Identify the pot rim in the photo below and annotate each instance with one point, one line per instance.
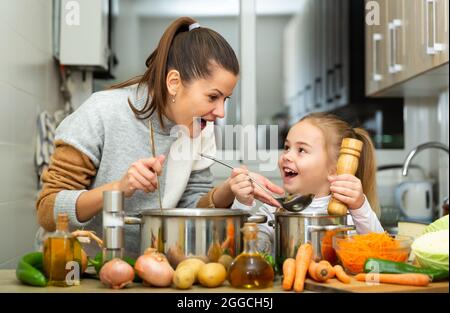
(307, 214)
(191, 212)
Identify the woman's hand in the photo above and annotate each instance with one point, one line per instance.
(347, 189)
(141, 176)
(241, 186)
(246, 192)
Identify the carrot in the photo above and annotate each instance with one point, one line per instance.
(331, 270)
(288, 273)
(302, 260)
(327, 250)
(341, 275)
(318, 272)
(398, 279)
(354, 251)
(230, 235)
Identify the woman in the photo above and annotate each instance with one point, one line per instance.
(105, 144)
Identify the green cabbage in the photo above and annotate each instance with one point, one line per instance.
(440, 224)
(431, 249)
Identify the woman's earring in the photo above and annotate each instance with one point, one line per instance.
(173, 99)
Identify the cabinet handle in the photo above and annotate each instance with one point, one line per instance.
(435, 47)
(317, 100)
(394, 67)
(307, 99)
(330, 85)
(376, 38)
(339, 80)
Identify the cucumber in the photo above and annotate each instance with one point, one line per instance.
(390, 267)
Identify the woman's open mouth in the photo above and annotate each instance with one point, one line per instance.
(203, 123)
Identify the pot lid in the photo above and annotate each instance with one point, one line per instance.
(197, 212)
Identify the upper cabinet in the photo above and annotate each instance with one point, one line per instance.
(409, 39)
(316, 65)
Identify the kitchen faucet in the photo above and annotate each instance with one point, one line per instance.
(413, 153)
(416, 150)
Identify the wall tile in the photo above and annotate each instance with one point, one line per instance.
(7, 173)
(31, 19)
(6, 116)
(22, 64)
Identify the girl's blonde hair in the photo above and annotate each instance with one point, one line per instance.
(334, 130)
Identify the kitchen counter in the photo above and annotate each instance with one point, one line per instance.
(9, 283)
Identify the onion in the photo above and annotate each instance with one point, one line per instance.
(154, 269)
(116, 274)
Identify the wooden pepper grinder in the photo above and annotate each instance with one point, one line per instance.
(347, 164)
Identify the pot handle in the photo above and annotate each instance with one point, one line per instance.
(257, 218)
(314, 228)
(131, 220)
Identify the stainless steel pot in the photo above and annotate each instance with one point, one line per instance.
(294, 229)
(202, 233)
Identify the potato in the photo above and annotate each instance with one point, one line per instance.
(226, 260)
(194, 264)
(184, 277)
(212, 275)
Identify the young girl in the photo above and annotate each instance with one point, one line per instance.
(308, 166)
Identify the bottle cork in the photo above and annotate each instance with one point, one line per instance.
(62, 222)
(347, 164)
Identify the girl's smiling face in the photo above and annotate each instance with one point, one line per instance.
(304, 164)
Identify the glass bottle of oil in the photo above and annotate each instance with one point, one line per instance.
(249, 269)
(60, 248)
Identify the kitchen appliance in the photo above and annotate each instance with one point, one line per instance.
(294, 229)
(189, 232)
(415, 201)
(113, 223)
(388, 178)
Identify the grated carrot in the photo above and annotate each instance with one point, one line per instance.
(353, 252)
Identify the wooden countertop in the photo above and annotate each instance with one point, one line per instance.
(9, 283)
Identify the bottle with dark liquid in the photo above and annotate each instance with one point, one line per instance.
(249, 269)
(60, 248)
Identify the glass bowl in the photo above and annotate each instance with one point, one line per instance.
(353, 250)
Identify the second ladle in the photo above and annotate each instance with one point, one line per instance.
(290, 203)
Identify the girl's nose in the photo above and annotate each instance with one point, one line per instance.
(287, 156)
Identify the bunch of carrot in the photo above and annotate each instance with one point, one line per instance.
(354, 251)
(295, 270)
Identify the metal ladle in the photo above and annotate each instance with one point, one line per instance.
(294, 203)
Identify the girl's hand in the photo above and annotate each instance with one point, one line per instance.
(141, 176)
(246, 192)
(241, 186)
(263, 196)
(348, 189)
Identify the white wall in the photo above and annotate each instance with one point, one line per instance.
(28, 84)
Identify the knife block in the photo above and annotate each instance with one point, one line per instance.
(347, 164)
